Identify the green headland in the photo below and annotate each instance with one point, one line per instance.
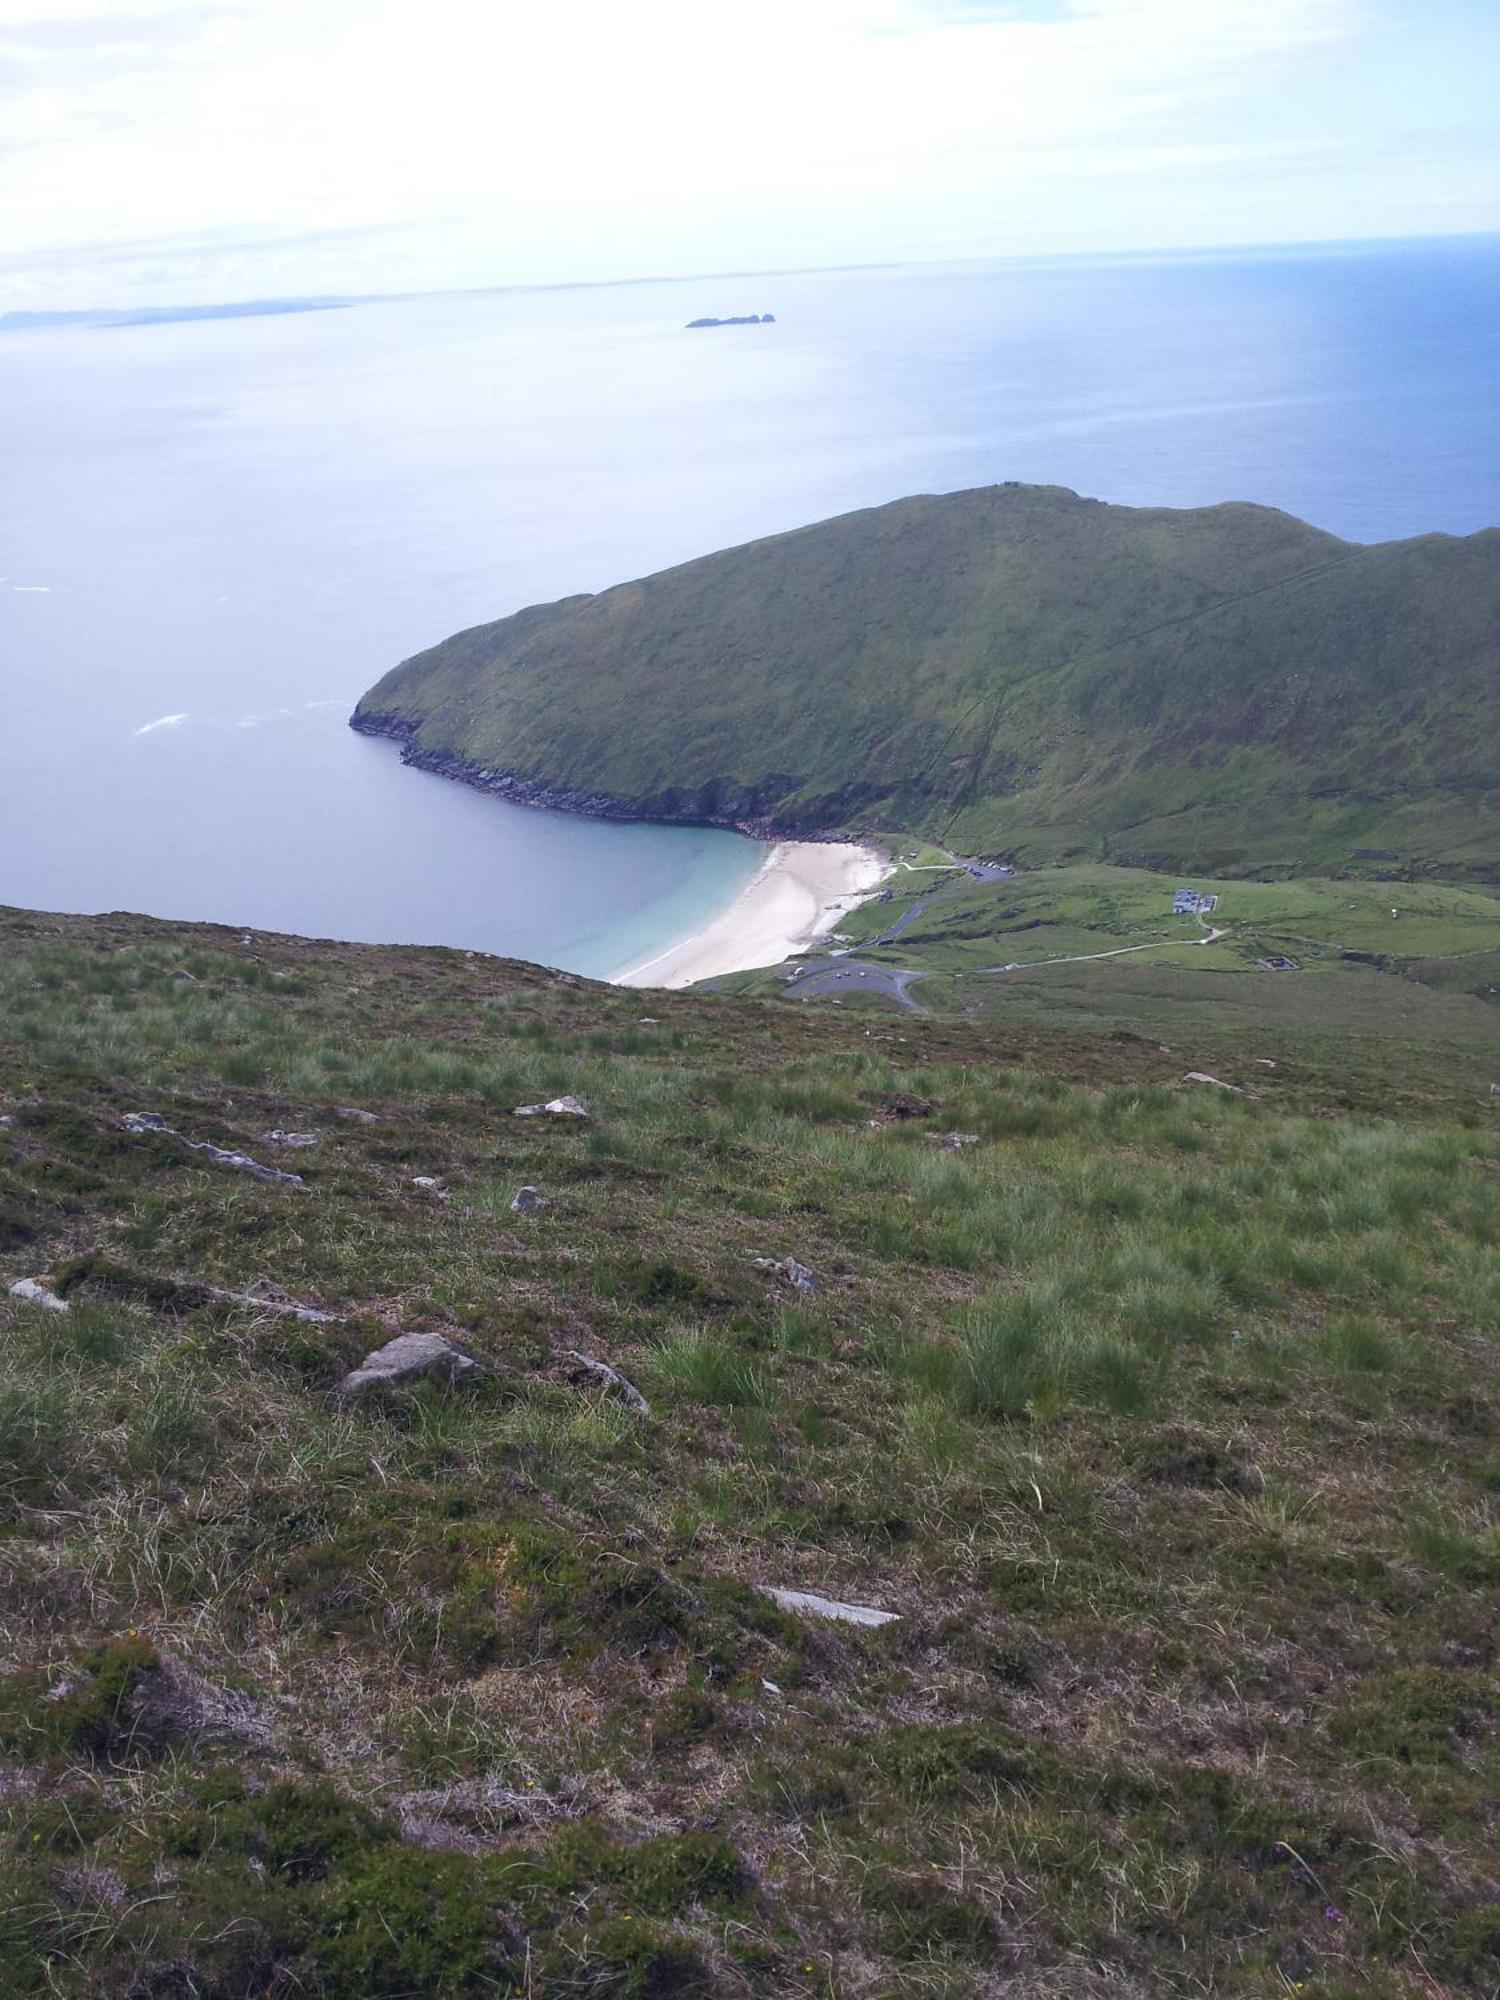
(1014, 672)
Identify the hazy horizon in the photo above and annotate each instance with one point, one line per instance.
(192, 151)
(144, 313)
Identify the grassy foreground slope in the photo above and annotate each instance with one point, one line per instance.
(1017, 670)
(1166, 1419)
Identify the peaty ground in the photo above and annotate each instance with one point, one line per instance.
(1166, 1418)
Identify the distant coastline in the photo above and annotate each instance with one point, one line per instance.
(41, 322)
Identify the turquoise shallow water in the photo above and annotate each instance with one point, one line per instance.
(214, 536)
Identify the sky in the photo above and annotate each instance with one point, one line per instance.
(182, 151)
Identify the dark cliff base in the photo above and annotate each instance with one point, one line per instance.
(739, 812)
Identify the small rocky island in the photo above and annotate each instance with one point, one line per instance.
(738, 319)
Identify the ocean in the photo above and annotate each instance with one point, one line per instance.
(214, 535)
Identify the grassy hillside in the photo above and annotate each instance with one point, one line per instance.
(1012, 670)
(1166, 1419)
(1374, 959)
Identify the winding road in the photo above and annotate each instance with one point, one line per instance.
(835, 978)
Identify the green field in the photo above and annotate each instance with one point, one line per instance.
(1166, 1419)
(1100, 945)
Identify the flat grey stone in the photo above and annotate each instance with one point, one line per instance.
(613, 1380)
(30, 1293)
(555, 1107)
(812, 1606)
(355, 1115)
(276, 1137)
(410, 1357)
(242, 1163)
(527, 1201)
(150, 1121)
(1217, 1082)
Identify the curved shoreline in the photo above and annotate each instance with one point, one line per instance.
(806, 883)
(797, 896)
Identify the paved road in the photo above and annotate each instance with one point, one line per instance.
(834, 978)
(977, 871)
(894, 931)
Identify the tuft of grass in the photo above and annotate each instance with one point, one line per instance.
(697, 1363)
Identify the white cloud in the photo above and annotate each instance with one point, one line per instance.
(200, 145)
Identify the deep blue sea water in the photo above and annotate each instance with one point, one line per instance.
(215, 535)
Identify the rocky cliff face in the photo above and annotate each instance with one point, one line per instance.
(756, 810)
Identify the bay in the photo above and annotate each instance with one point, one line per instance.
(215, 534)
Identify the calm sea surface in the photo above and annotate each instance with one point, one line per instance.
(214, 536)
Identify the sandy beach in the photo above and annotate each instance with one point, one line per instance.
(796, 897)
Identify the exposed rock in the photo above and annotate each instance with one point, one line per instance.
(527, 1201)
(7, 1122)
(180, 978)
(612, 1379)
(555, 1107)
(1217, 1082)
(276, 1137)
(355, 1115)
(952, 1142)
(790, 1272)
(283, 1308)
(813, 1606)
(242, 1163)
(150, 1121)
(428, 1181)
(408, 1358)
(30, 1293)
